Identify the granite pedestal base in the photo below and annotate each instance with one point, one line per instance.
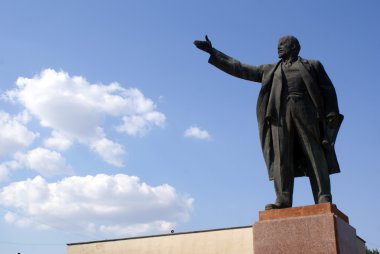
(316, 229)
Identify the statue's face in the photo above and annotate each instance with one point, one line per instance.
(285, 48)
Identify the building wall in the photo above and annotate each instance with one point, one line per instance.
(220, 241)
(224, 241)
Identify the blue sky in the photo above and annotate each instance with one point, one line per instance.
(113, 124)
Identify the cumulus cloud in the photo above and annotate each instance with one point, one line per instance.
(76, 110)
(140, 124)
(118, 205)
(196, 132)
(111, 152)
(44, 161)
(138, 229)
(58, 141)
(6, 167)
(14, 135)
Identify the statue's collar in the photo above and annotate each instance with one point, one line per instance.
(290, 61)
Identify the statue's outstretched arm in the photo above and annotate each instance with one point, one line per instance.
(229, 64)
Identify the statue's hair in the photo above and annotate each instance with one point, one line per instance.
(294, 41)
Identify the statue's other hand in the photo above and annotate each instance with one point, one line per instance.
(204, 45)
(334, 120)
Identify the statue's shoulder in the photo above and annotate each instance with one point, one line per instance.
(312, 65)
(312, 62)
(267, 66)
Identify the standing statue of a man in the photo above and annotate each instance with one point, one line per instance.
(298, 117)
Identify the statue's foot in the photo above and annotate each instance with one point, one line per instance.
(324, 199)
(276, 206)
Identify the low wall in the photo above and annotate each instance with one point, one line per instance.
(305, 226)
(220, 241)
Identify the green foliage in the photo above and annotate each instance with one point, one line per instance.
(374, 251)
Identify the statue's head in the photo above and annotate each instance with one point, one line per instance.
(288, 46)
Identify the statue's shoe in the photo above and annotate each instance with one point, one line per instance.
(324, 199)
(276, 206)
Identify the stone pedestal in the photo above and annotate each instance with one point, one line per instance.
(321, 229)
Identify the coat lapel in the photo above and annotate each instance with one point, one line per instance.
(312, 88)
(271, 87)
(268, 77)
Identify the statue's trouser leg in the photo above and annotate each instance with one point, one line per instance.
(306, 126)
(283, 170)
(298, 121)
(314, 187)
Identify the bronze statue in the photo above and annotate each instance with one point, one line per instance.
(298, 118)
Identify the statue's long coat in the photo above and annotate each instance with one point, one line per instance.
(320, 90)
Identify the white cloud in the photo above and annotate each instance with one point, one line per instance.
(111, 152)
(13, 218)
(6, 167)
(119, 205)
(138, 229)
(4, 173)
(77, 110)
(45, 162)
(140, 124)
(14, 135)
(58, 141)
(195, 132)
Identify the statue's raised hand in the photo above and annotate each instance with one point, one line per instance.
(204, 45)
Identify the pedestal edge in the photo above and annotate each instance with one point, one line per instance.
(318, 209)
